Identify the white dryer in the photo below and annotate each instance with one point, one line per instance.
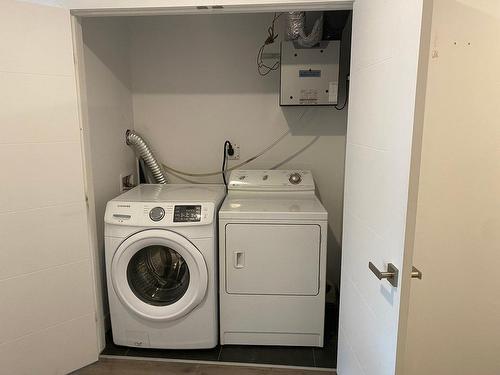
(161, 258)
(272, 260)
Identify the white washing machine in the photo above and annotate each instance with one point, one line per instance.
(161, 263)
(272, 260)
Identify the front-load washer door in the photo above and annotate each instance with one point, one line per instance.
(159, 274)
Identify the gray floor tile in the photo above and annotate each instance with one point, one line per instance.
(232, 370)
(273, 355)
(195, 355)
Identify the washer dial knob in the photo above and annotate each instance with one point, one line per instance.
(157, 213)
(295, 178)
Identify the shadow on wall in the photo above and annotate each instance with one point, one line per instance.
(315, 121)
(98, 34)
(334, 255)
(333, 264)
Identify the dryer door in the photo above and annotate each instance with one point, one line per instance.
(159, 274)
(273, 259)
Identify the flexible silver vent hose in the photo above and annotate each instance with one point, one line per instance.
(295, 29)
(295, 22)
(142, 149)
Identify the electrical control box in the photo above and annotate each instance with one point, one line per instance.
(309, 76)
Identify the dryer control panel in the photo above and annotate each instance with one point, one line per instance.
(271, 180)
(159, 214)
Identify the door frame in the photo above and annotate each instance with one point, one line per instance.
(141, 8)
(413, 185)
(101, 8)
(102, 319)
(144, 8)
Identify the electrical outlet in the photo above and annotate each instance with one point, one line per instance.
(127, 181)
(236, 155)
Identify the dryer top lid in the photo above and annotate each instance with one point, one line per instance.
(272, 206)
(271, 180)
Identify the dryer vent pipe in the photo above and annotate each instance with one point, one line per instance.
(139, 145)
(295, 29)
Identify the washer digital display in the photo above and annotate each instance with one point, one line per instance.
(184, 214)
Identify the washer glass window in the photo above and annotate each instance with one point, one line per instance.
(158, 275)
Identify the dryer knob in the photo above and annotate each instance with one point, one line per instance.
(157, 213)
(295, 178)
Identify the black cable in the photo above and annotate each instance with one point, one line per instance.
(224, 159)
(346, 77)
(346, 95)
(262, 68)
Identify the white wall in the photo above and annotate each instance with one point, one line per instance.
(454, 316)
(47, 306)
(109, 114)
(195, 84)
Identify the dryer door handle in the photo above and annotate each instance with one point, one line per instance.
(239, 259)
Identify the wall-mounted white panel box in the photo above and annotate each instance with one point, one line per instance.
(309, 76)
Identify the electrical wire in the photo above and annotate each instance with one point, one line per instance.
(180, 177)
(224, 159)
(263, 68)
(279, 139)
(347, 80)
(346, 95)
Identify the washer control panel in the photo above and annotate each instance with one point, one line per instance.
(159, 213)
(187, 214)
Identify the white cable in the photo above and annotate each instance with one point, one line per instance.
(184, 178)
(168, 168)
(278, 140)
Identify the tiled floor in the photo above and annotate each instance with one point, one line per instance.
(108, 366)
(325, 357)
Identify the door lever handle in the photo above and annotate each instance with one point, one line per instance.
(391, 274)
(416, 273)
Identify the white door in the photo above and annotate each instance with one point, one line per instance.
(385, 51)
(457, 237)
(47, 309)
